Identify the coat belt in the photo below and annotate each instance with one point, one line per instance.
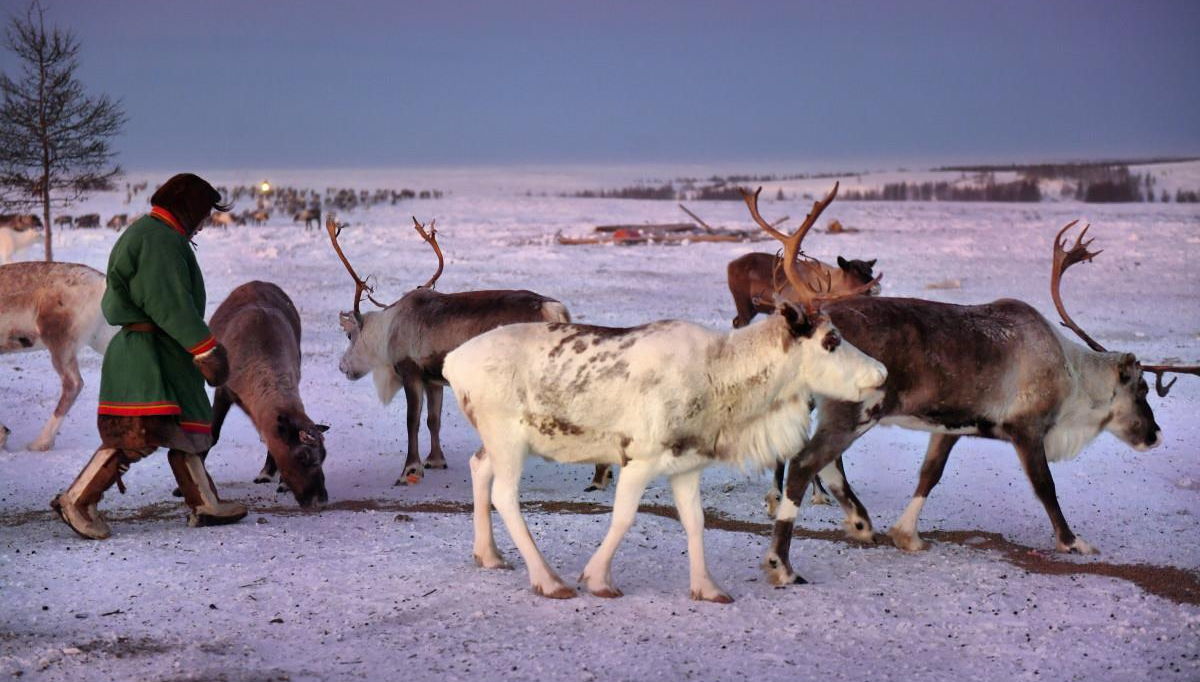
(146, 327)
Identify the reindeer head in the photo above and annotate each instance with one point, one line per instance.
(362, 355)
(834, 368)
(860, 272)
(1130, 418)
(300, 465)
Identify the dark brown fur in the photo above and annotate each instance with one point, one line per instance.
(948, 366)
(752, 278)
(260, 329)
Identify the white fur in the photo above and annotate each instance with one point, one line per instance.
(13, 242)
(78, 290)
(664, 399)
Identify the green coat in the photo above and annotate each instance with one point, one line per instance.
(153, 277)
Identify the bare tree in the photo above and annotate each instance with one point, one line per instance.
(54, 138)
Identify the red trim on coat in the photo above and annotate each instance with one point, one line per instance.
(165, 216)
(139, 409)
(196, 427)
(204, 346)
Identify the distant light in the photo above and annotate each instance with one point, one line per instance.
(265, 187)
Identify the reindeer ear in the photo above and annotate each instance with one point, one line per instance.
(843, 263)
(798, 323)
(871, 263)
(321, 427)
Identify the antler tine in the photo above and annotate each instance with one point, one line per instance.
(811, 296)
(1158, 371)
(431, 238)
(1064, 259)
(360, 285)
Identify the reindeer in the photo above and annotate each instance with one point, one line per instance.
(88, 220)
(64, 221)
(311, 217)
(222, 220)
(20, 221)
(753, 283)
(118, 221)
(752, 278)
(54, 306)
(13, 242)
(999, 371)
(669, 398)
(403, 345)
(260, 328)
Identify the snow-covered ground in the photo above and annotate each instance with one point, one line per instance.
(381, 584)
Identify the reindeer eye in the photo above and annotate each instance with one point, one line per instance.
(831, 341)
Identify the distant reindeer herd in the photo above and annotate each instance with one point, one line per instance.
(666, 398)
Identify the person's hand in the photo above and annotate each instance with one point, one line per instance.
(213, 366)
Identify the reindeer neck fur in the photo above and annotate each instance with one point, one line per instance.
(1088, 406)
(760, 396)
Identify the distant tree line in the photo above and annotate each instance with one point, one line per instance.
(1020, 191)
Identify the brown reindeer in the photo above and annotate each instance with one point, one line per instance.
(752, 280)
(260, 328)
(998, 370)
(403, 345)
(56, 307)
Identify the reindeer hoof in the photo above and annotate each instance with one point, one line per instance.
(176, 492)
(859, 530)
(555, 592)
(1078, 547)
(492, 562)
(38, 446)
(716, 597)
(607, 593)
(909, 542)
(262, 479)
(820, 498)
(591, 488)
(772, 500)
(439, 463)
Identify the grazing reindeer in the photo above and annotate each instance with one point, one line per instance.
(118, 221)
(403, 345)
(998, 370)
(260, 328)
(54, 306)
(88, 220)
(668, 398)
(14, 241)
(311, 217)
(753, 282)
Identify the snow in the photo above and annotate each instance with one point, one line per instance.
(381, 584)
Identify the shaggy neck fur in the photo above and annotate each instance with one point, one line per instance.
(371, 350)
(1089, 404)
(759, 395)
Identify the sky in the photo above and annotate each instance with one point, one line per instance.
(835, 85)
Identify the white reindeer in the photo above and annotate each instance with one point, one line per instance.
(13, 242)
(668, 398)
(53, 306)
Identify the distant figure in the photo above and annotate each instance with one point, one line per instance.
(152, 382)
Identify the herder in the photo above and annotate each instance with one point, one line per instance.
(152, 381)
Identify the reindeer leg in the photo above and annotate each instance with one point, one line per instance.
(686, 488)
(414, 471)
(482, 476)
(856, 521)
(904, 532)
(1033, 458)
(436, 459)
(67, 366)
(507, 460)
(597, 574)
(819, 493)
(600, 479)
(775, 493)
(836, 431)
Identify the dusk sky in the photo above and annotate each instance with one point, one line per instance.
(232, 84)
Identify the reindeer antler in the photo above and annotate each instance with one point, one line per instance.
(811, 296)
(360, 285)
(1064, 259)
(1158, 371)
(431, 238)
